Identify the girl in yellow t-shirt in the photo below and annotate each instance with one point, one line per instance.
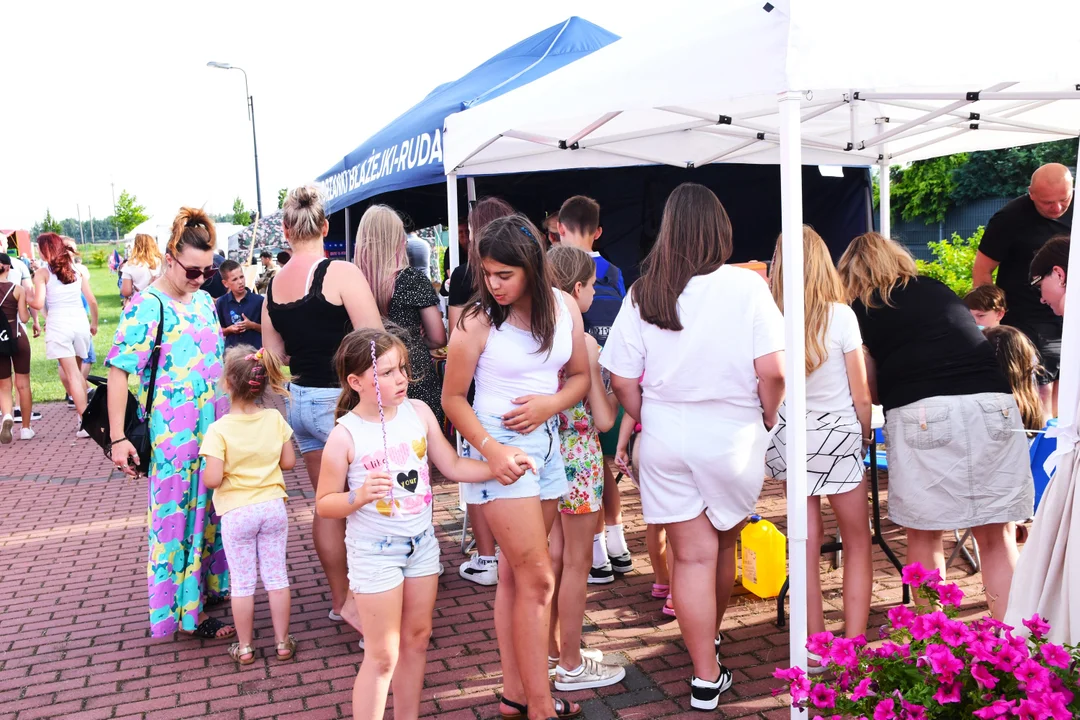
(245, 453)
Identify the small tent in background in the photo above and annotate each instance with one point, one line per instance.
(17, 241)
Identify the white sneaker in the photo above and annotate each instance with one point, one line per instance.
(81, 434)
(27, 434)
(586, 654)
(480, 572)
(5, 429)
(591, 674)
(601, 575)
(705, 695)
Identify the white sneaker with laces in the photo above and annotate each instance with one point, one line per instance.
(705, 695)
(481, 572)
(601, 574)
(80, 433)
(27, 434)
(5, 429)
(591, 674)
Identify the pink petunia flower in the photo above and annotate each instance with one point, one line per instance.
(885, 710)
(983, 677)
(954, 634)
(820, 643)
(949, 693)
(790, 674)
(943, 662)
(916, 575)
(996, 709)
(1055, 656)
(843, 653)
(950, 594)
(864, 689)
(1032, 677)
(823, 697)
(913, 711)
(1037, 626)
(800, 691)
(901, 616)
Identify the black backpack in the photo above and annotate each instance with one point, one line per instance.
(605, 307)
(8, 336)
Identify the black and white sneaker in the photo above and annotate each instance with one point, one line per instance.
(601, 575)
(70, 402)
(17, 415)
(705, 695)
(622, 564)
(481, 572)
(716, 643)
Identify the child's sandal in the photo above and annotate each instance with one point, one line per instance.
(238, 651)
(669, 607)
(288, 645)
(660, 591)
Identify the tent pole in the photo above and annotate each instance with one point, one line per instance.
(470, 189)
(884, 189)
(1069, 392)
(452, 220)
(795, 367)
(348, 235)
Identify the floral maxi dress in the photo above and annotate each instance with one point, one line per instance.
(186, 561)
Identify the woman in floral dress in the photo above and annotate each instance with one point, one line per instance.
(186, 567)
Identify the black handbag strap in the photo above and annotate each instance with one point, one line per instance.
(154, 355)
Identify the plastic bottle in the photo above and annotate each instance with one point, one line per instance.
(764, 558)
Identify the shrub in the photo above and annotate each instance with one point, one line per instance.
(934, 667)
(953, 260)
(97, 258)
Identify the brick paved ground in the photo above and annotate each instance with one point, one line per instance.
(74, 640)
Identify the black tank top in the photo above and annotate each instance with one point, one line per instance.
(312, 329)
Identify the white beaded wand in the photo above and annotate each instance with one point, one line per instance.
(382, 421)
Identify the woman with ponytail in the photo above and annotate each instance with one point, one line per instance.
(186, 566)
(59, 290)
(311, 305)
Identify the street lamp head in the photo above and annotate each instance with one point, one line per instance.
(219, 65)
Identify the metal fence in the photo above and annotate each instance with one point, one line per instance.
(963, 220)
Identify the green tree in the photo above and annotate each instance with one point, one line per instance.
(1007, 172)
(925, 188)
(953, 260)
(281, 195)
(129, 213)
(49, 224)
(240, 215)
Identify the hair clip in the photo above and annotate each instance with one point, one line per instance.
(255, 383)
(256, 356)
(528, 233)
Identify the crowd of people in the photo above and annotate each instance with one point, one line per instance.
(554, 374)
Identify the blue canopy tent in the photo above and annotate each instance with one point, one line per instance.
(407, 153)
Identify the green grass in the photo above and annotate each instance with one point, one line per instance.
(44, 379)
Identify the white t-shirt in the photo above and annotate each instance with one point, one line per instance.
(729, 320)
(139, 275)
(19, 273)
(827, 388)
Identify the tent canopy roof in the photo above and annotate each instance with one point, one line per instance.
(408, 152)
(705, 84)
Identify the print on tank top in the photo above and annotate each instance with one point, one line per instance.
(409, 474)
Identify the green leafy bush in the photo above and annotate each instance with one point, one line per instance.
(953, 260)
(97, 258)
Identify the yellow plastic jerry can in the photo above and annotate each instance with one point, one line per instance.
(764, 558)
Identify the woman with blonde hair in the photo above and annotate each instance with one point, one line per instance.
(958, 457)
(186, 567)
(311, 305)
(837, 428)
(405, 298)
(143, 266)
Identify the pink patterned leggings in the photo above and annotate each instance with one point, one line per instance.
(253, 533)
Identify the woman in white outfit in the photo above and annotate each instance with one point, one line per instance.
(59, 290)
(709, 339)
(837, 433)
(143, 267)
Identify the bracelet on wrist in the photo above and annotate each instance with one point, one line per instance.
(123, 438)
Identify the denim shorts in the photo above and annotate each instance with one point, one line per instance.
(542, 445)
(378, 563)
(91, 355)
(311, 415)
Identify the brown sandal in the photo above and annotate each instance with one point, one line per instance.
(238, 651)
(289, 646)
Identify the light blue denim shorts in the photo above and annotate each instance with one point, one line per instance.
(378, 563)
(311, 415)
(542, 445)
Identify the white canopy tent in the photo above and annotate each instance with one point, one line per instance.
(793, 82)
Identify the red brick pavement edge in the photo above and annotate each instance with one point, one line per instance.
(75, 644)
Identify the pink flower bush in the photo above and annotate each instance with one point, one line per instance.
(932, 666)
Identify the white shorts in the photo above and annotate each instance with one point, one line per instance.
(705, 456)
(64, 340)
(378, 563)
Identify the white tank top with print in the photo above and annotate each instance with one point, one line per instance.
(407, 511)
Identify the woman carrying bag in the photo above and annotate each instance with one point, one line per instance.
(187, 562)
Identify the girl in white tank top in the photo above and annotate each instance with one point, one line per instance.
(514, 342)
(375, 474)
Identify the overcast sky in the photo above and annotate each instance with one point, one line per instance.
(119, 92)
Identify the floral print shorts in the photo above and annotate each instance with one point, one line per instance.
(584, 461)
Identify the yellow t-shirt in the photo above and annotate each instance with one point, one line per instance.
(250, 447)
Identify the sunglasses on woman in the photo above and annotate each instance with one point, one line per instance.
(196, 273)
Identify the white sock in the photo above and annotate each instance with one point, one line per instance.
(486, 559)
(599, 554)
(616, 543)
